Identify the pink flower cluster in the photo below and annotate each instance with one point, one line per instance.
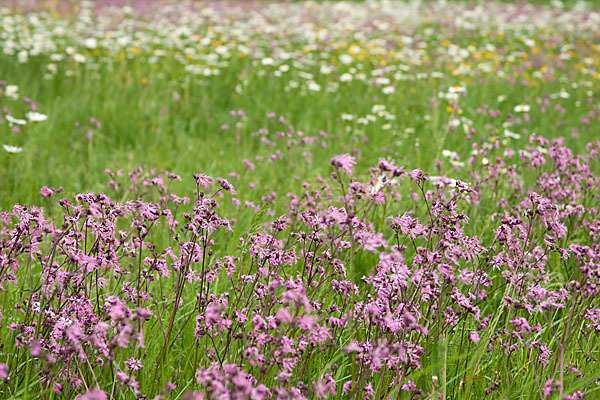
(349, 294)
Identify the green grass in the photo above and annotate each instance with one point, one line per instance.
(189, 138)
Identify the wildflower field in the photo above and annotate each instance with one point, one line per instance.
(299, 200)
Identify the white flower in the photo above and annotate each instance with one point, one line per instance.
(23, 56)
(15, 121)
(448, 181)
(313, 86)
(449, 154)
(326, 69)
(346, 59)
(36, 116)
(90, 43)
(377, 108)
(501, 98)
(379, 183)
(80, 58)
(267, 61)
(346, 77)
(522, 108)
(11, 91)
(12, 149)
(457, 89)
(524, 152)
(221, 50)
(512, 135)
(451, 96)
(347, 117)
(388, 90)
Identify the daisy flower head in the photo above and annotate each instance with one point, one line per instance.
(457, 89)
(36, 116)
(346, 77)
(378, 184)
(14, 121)
(377, 108)
(522, 108)
(12, 91)
(12, 149)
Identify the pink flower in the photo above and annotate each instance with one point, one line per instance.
(203, 180)
(133, 364)
(45, 191)
(94, 394)
(474, 336)
(225, 185)
(345, 162)
(3, 371)
(36, 349)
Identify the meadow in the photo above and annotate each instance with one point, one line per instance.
(299, 200)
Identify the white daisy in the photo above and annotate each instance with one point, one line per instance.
(12, 149)
(449, 154)
(346, 59)
(379, 183)
(313, 86)
(80, 58)
(512, 135)
(457, 89)
(90, 43)
(522, 108)
(11, 91)
(346, 77)
(377, 108)
(15, 121)
(36, 116)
